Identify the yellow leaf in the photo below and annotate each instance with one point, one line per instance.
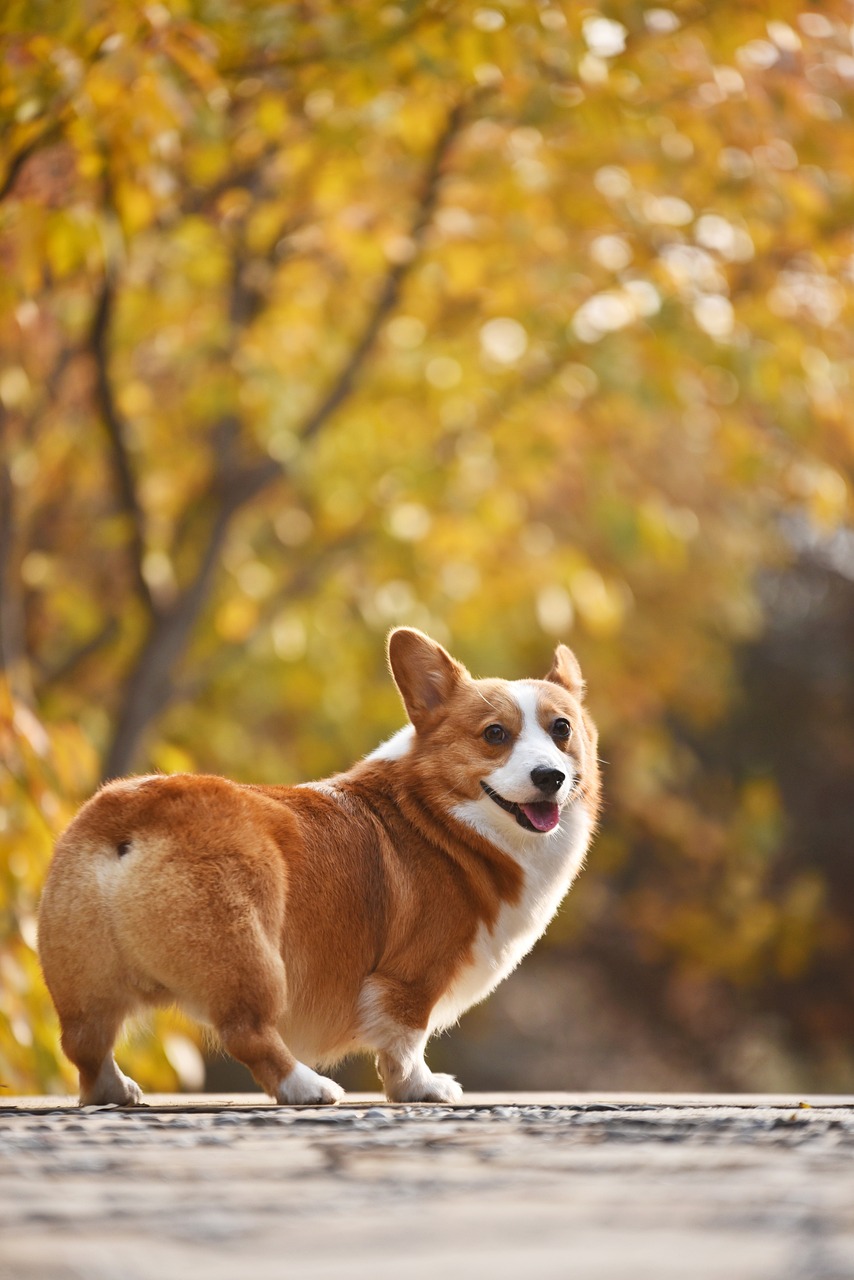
(272, 117)
(237, 619)
(136, 206)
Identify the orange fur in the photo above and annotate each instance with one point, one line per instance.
(308, 922)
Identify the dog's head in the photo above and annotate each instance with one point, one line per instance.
(522, 751)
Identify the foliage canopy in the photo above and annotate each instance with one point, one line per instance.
(514, 321)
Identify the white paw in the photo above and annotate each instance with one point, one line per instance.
(112, 1086)
(304, 1086)
(426, 1087)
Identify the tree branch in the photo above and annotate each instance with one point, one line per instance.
(249, 482)
(392, 286)
(76, 657)
(150, 687)
(253, 480)
(310, 55)
(116, 432)
(305, 577)
(22, 155)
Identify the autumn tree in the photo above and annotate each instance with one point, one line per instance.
(513, 321)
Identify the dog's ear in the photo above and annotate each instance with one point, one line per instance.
(424, 672)
(566, 671)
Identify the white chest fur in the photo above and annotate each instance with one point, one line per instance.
(550, 863)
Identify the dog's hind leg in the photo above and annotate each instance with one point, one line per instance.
(250, 1003)
(86, 974)
(87, 1040)
(259, 1047)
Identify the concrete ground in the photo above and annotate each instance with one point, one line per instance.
(522, 1187)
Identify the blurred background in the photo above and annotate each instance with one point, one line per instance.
(517, 322)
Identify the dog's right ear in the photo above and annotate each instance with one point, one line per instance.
(565, 670)
(424, 672)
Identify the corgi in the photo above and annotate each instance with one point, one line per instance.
(360, 913)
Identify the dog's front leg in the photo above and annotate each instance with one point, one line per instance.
(406, 1076)
(399, 1045)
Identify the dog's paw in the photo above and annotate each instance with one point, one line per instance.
(427, 1087)
(305, 1087)
(112, 1087)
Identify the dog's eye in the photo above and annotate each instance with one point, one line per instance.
(495, 734)
(561, 729)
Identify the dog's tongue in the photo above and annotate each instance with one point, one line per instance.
(543, 815)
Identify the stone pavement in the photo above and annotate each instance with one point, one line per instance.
(517, 1187)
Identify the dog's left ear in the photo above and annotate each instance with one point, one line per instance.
(566, 671)
(424, 672)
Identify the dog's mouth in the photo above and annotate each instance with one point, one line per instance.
(538, 816)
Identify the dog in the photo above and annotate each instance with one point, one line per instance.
(361, 913)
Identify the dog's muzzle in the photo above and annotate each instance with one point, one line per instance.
(539, 816)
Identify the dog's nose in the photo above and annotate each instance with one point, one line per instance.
(547, 780)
